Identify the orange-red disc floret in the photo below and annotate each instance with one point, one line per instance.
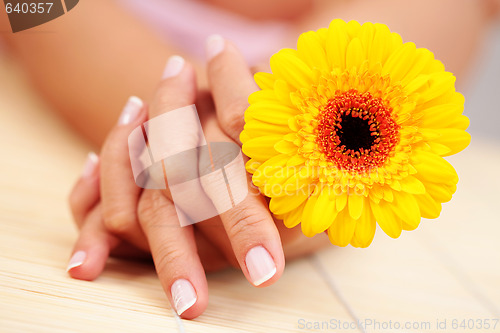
(356, 131)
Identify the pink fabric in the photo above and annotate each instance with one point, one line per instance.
(187, 23)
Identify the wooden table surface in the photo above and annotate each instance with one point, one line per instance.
(444, 276)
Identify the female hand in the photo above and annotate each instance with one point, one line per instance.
(245, 236)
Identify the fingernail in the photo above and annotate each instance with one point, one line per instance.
(260, 265)
(90, 165)
(76, 260)
(130, 111)
(183, 295)
(215, 45)
(174, 66)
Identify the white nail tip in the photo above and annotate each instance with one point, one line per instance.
(131, 110)
(215, 44)
(260, 265)
(185, 307)
(174, 66)
(76, 260)
(265, 278)
(183, 295)
(136, 101)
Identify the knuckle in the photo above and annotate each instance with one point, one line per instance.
(119, 222)
(151, 203)
(245, 224)
(166, 257)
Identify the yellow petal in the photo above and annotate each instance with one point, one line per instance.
(410, 227)
(366, 36)
(244, 136)
(308, 217)
(353, 28)
(439, 83)
(264, 80)
(355, 204)
(423, 57)
(455, 139)
(439, 192)
(286, 147)
(287, 65)
(270, 113)
(295, 160)
(311, 51)
(256, 128)
(336, 44)
(355, 54)
(268, 167)
(298, 181)
(252, 165)
(460, 122)
(294, 217)
(429, 208)
(412, 185)
(324, 211)
(261, 148)
(262, 95)
(276, 178)
(342, 229)
(341, 201)
(287, 203)
(386, 219)
(440, 116)
(406, 208)
(433, 168)
(388, 195)
(282, 91)
(381, 46)
(439, 149)
(400, 61)
(365, 228)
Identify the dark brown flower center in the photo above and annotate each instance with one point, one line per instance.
(356, 131)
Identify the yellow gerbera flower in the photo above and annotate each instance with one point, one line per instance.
(350, 130)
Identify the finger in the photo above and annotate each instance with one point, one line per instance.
(175, 255)
(92, 248)
(255, 240)
(231, 82)
(174, 135)
(119, 192)
(177, 87)
(250, 227)
(85, 193)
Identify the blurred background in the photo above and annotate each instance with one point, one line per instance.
(482, 89)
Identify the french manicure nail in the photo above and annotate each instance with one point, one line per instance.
(183, 295)
(90, 165)
(130, 111)
(215, 45)
(174, 66)
(76, 260)
(260, 265)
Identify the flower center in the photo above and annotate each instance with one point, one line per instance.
(356, 131)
